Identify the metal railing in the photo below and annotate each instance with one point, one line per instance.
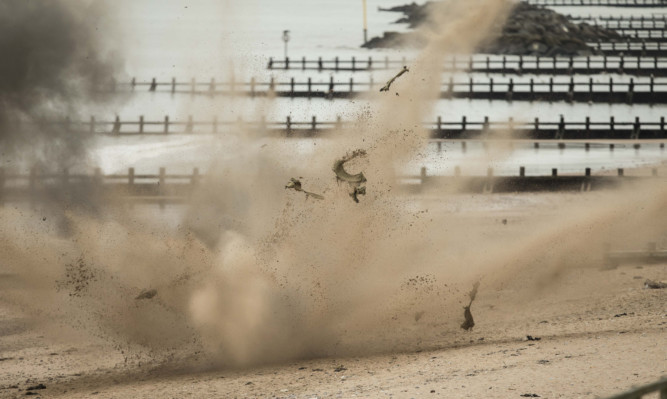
(635, 90)
(460, 129)
(636, 393)
(166, 188)
(632, 65)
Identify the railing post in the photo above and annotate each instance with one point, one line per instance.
(313, 123)
(189, 125)
(651, 84)
(166, 124)
(303, 63)
(116, 126)
(522, 171)
(532, 88)
(354, 67)
(351, 85)
(291, 86)
(439, 123)
(463, 123)
(288, 124)
(153, 85)
(92, 124)
(319, 64)
(141, 124)
(336, 64)
(252, 86)
(173, 85)
(270, 66)
(130, 176)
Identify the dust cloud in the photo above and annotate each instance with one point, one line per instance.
(53, 62)
(254, 273)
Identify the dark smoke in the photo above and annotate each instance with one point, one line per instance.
(52, 59)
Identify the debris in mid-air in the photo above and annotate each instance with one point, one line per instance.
(295, 184)
(146, 294)
(355, 181)
(390, 81)
(656, 285)
(469, 322)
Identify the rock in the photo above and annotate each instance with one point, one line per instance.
(339, 369)
(36, 387)
(146, 294)
(656, 285)
(529, 30)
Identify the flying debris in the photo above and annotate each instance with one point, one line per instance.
(146, 294)
(355, 181)
(469, 322)
(295, 184)
(390, 81)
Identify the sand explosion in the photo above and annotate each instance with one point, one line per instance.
(254, 273)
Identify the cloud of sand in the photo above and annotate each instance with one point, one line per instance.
(256, 273)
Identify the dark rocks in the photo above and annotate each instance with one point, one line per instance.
(656, 285)
(146, 294)
(529, 30)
